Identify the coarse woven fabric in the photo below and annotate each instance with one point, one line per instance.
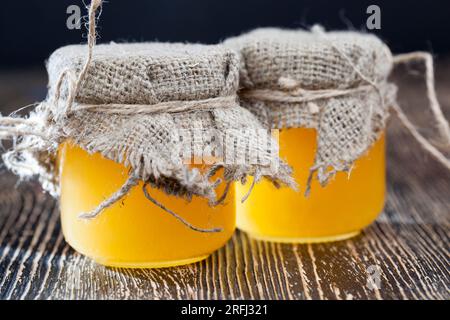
(351, 68)
(152, 145)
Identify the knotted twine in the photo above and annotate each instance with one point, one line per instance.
(129, 102)
(334, 82)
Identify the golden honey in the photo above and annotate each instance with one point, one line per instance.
(349, 203)
(134, 232)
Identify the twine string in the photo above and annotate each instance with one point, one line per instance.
(224, 195)
(256, 179)
(177, 216)
(166, 107)
(12, 127)
(129, 184)
(439, 156)
(441, 122)
(297, 94)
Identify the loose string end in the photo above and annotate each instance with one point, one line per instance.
(426, 145)
(223, 196)
(256, 179)
(131, 182)
(441, 122)
(177, 216)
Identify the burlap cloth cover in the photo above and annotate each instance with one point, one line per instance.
(124, 77)
(296, 78)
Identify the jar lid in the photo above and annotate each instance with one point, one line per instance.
(148, 73)
(314, 60)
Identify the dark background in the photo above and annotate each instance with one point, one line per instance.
(30, 30)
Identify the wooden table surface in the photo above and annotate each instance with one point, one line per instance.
(407, 247)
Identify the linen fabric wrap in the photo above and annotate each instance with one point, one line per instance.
(315, 63)
(150, 144)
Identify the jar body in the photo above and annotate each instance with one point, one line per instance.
(337, 211)
(134, 232)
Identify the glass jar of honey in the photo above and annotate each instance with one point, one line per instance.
(134, 233)
(328, 95)
(348, 204)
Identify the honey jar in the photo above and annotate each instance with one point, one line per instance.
(328, 96)
(134, 233)
(348, 204)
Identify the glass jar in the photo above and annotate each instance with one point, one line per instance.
(340, 210)
(134, 233)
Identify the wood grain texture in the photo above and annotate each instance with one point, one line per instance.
(408, 245)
